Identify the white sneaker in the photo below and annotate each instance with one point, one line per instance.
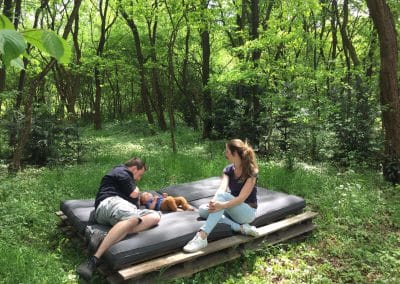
(196, 244)
(250, 230)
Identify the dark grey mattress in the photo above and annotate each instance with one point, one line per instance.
(177, 228)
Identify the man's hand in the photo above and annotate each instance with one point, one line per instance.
(135, 193)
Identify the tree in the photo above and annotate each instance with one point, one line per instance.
(388, 85)
(104, 29)
(205, 68)
(144, 90)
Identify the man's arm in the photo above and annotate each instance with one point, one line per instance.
(135, 193)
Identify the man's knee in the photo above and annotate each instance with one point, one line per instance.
(152, 219)
(134, 221)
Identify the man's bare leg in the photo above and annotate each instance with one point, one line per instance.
(125, 227)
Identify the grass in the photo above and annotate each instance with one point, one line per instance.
(357, 240)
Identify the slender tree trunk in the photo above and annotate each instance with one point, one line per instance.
(99, 52)
(158, 94)
(76, 78)
(205, 76)
(97, 100)
(144, 91)
(205, 67)
(170, 58)
(191, 114)
(255, 56)
(389, 86)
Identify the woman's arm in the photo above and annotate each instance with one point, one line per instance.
(244, 193)
(224, 184)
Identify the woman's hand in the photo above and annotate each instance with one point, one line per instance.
(214, 206)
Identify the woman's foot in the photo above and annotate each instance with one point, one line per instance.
(196, 244)
(248, 230)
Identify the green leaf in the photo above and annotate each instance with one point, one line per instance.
(50, 42)
(12, 45)
(17, 63)
(5, 23)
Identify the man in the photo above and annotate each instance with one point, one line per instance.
(116, 204)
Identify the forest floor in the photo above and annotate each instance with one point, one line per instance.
(357, 239)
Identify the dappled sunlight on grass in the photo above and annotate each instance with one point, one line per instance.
(126, 148)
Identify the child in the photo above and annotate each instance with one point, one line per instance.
(164, 202)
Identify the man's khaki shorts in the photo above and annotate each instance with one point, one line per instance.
(114, 209)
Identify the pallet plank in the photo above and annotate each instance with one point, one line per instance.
(271, 228)
(179, 257)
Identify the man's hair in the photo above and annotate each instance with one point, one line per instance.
(136, 162)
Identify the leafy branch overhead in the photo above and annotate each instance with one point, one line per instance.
(14, 43)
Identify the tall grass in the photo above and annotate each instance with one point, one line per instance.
(357, 239)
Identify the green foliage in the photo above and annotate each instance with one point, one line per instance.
(13, 44)
(49, 42)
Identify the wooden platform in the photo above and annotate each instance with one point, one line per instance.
(181, 264)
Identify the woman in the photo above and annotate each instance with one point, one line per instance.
(235, 202)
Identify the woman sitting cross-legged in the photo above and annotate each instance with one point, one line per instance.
(235, 202)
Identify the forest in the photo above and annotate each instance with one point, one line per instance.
(313, 82)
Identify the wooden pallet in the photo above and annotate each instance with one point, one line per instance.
(181, 264)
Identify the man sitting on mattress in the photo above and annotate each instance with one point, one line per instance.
(116, 204)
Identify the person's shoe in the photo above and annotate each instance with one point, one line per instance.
(249, 230)
(196, 244)
(95, 237)
(86, 269)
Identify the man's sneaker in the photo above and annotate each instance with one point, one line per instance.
(86, 269)
(249, 230)
(196, 244)
(94, 237)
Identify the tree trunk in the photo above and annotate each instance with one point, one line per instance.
(205, 67)
(205, 76)
(389, 88)
(190, 114)
(255, 106)
(144, 91)
(97, 100)
(158, 95)
(99, 52)
(76, 78)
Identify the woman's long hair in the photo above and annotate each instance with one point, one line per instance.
(247, 156)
